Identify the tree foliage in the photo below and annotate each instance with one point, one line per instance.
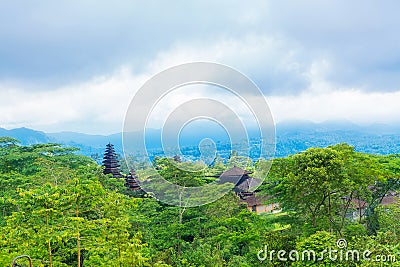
(61, 210)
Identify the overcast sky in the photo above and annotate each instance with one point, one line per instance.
(75, 65)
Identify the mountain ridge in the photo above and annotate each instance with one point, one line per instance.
(292, 137)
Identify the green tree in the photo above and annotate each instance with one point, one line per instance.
(313, 184)
(54, 223)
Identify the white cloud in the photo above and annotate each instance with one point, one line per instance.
(228, 106)
(297, 86)
(95, 106)
(275, 64)
(359, 37)
(354, 105)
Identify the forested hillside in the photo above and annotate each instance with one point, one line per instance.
(61, 210)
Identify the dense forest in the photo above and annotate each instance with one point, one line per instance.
(61, 210)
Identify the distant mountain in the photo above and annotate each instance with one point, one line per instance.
(95, 141)
(292, 137)
(26, 136)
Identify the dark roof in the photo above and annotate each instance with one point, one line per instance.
(248, 184)
(235, 171)
(390, 198)
(358, 203)
(132, 180)
(233, 175)
(387, 200)
(253, 200)
(110, 162)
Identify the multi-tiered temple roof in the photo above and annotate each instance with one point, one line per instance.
(110, 162)
(132, 181)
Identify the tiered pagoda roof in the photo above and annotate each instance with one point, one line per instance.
(132, 181)
(110, 162)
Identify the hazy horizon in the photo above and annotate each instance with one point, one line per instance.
(292, 122)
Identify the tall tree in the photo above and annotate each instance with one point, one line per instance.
(312, 184)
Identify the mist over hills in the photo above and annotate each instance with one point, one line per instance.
(292, 137)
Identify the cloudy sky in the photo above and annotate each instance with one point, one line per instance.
(75, 65)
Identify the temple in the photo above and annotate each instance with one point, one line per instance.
(111, 166)
(132, 181)
(110, 162)
(245, 185)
